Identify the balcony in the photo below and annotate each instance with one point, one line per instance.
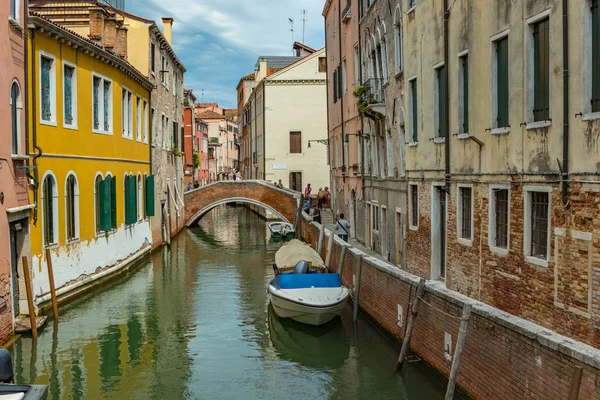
(347, 13)
(371, 100)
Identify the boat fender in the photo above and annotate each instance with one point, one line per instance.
(6, 367)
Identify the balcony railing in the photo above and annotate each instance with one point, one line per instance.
(373, 92)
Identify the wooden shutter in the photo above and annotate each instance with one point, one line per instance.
(133, 198)
(105, 204)
(502, 82)
(465, 89)
(295, 142)
(113, 202)
(541, 82)
(441, 102)
(334, 84)
(126, 195)
(415, 123)
(596, 56)
(130, 212)
(149, 195)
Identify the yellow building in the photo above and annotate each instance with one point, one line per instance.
(94, 193)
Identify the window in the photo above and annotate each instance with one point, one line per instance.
(375, 218)
(69, 95)
(414, 123)
(138, 118)
(72, 207)
(384, 60)
(398, 45)
(163, 69)
(440, 97)
(14, 10)
(334, 84)
(50, 210)
(499, 217)
(463, 94)
(414, 206)
(153, 57)
(537, 225)
(127, 114)
(501, 82)
(465, 212)
(174, 82)
(140, 197)
(47, 89)
(541, 70)
(356, 66)
(344, 76)
(130, 197)
(145, 122)
(15, 116)
(101, 104)
(412, 4)
(322, 64)
(595, 50)
(149, 195)
(106, 203)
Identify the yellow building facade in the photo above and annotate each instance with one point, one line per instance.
(89, 145)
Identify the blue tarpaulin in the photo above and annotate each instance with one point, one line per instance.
(305, 281)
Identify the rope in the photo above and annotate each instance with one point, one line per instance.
(440, 311)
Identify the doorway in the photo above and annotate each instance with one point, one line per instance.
(439, 215)
(296, 181)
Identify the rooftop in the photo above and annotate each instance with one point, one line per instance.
(276, 61)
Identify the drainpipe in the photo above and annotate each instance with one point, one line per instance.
(26, 97)
(446, 88)
(342, 96)
(565, 166)
(34, 128)
(150, 138)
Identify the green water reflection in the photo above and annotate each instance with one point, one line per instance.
(194, 322)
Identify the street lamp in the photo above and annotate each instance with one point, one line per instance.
(322, 141)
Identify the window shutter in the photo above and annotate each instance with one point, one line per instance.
(441, 102)
(133, 198)
(149, 192)
(126, 195)
(465, 66)
(541, 110)
(105, 204)
(596, 56)
(175, 134)
(334, 84)
(113, 202)
(415, 122)
(502, 82)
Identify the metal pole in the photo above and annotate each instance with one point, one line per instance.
(52, 288)
(460, 345)
(356, 288)
(27, 277)
(414, 310)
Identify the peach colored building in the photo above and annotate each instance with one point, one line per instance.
(15, 209)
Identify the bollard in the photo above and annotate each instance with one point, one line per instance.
(52, 288)
(320, 242)
(414, 310)
(460, 345)
(27, 277)
(329, 248)
(341, 261)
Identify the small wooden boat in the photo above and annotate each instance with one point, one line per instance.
(305, 293)
(281, 229)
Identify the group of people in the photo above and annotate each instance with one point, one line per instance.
(323, 197)
(237, 175)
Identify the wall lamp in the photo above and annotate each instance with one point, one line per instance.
(322, 141)
(359, 134)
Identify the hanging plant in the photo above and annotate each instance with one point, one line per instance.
(196, 159)
(359, 91)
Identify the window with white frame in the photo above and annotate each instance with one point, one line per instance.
(145, 123)
(127, 113)
(69, 95)
(398, 44)
(16, 106)
(413, 205)
(465, 212)
(72, 207)
(375, 218)
(538, 74)
(47, 89)
(499, 217)
(537, 225)
(101, 104)
(413, 111)
(356, 66)
(50, 210)
(384, 61)
(138, 118)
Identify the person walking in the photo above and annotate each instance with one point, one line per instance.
(189, 187)
(306, 206)
(279, 184)
(320, 198)
(307, 191)
(342, 227)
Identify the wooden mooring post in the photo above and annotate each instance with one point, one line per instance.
(341, 260)
(329, 249)
(27, 277)
(321, 237)
(414, 311)
(575, 383)
(52, 288)
(460, 345)
(356, 288)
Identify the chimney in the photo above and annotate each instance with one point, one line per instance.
(96, 24)
(168, 29)
(121, 42)
(110, 33)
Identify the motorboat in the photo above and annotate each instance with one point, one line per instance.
(281, 230)
(9, 391)
(305, 293)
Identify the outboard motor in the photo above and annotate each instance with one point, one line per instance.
(301, 267)
(6, 367)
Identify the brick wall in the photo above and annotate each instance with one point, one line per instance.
(505, 357)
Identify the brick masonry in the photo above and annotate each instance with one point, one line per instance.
(281, 200)
(505, 357)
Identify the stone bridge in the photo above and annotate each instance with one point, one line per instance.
(282, 202)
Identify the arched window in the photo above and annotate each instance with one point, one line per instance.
(15, 114)
(50, 210)
(97, 201)
(72, 207)
(140, 195)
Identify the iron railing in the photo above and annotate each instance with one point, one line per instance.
(373, 92)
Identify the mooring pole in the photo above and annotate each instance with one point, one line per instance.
(575, 383)
(320, 242)
(52, 288)
(298, 221)
(414, 310)
(341, 261)
(27, 277)
(329, 248)
(356, 288)
(460, 345)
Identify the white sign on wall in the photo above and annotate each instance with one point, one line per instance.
(279, 166)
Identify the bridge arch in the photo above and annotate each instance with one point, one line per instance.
(282, 202)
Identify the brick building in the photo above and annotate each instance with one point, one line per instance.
(191, 142)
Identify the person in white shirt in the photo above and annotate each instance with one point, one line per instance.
(342, 227)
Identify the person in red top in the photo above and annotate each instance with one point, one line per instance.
(307, 190)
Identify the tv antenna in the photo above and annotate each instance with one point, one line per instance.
(303, 24)
(292, 28)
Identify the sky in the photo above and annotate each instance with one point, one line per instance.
(219, 41)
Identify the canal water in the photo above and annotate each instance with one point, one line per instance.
(194, 322)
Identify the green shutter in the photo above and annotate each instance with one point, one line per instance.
(441, 77)
(415, 122)
(133, 196)
(596, 56)
(175, 134)
(113, 202)
(149, 194)
(105, 204)
(502, 82)
(334, 82)
(126, 203)
(465, 67)
(130, 215)
(541, 82)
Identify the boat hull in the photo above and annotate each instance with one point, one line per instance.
(286, 307)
